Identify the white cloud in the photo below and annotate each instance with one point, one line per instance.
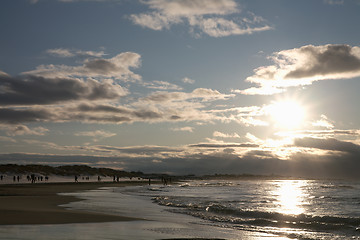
(188, 80)
(64, 52)
(200, 14)
(221, 27)
(154, 21)
(60, 52)
(201, 93)
(250, 121)
(183, 129)
(96, 135)
(303, 66)
(225, 135)
(19, 129)
(191, 8)
(334, 2)
(117, 67)
(162, 85)
(323, 122)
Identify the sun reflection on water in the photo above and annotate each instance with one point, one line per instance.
(290, 196)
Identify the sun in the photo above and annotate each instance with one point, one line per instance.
(287, 114)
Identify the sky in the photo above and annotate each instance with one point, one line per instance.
(182, 86)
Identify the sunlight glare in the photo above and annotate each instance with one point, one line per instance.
(290, 196)
(287, 114)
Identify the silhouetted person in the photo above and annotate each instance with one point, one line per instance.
(41, 178)
(76, 178)
(33, 178)
(46, 178)
(18, 178)
(28, 178)
(1, 177)
(149, 181)
(14, 178)
(99, 179)
(114, 180)
(117, 178)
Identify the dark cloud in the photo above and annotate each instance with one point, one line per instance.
(30, 90)
(327, 60)
(142, 150)
(100, 66)
(101, 108)
(327, 144)
(15, 116)
(224, 145)
(141, 114)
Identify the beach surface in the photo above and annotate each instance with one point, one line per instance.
(99, 210)
(39, 203)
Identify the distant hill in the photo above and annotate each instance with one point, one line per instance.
(67, 170)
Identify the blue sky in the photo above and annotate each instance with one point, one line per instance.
(182, 86)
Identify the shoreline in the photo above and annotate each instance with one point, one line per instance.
(23, 204)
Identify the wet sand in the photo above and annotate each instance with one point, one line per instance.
(39, 204)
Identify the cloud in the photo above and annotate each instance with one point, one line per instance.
(63, 52)
(323, 122)
(7, 139)
(69, 1)
(15, 116)
(183, 129)
(334, 2)
(14, 130)
(320, 134)
(96, 135)
(161, 85)
(224, 135)
(188, 80)
(224, 145)
(328, 144)
(335, 159)
(191, 8)
(31, 90)
(305, 65)
(200, 14)
(201, 93)
(117, 67)
(221, 27)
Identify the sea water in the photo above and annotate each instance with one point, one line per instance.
(296, 209)
(214, 209)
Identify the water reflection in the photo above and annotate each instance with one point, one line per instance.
(290, 196)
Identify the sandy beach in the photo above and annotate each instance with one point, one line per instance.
(39, 204)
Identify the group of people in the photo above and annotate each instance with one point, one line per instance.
(33, 178)
(30, 178)
(87, 178)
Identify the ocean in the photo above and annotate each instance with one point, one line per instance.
(215, 209)
(296, 209)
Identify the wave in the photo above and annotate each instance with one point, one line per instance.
(218, 212)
